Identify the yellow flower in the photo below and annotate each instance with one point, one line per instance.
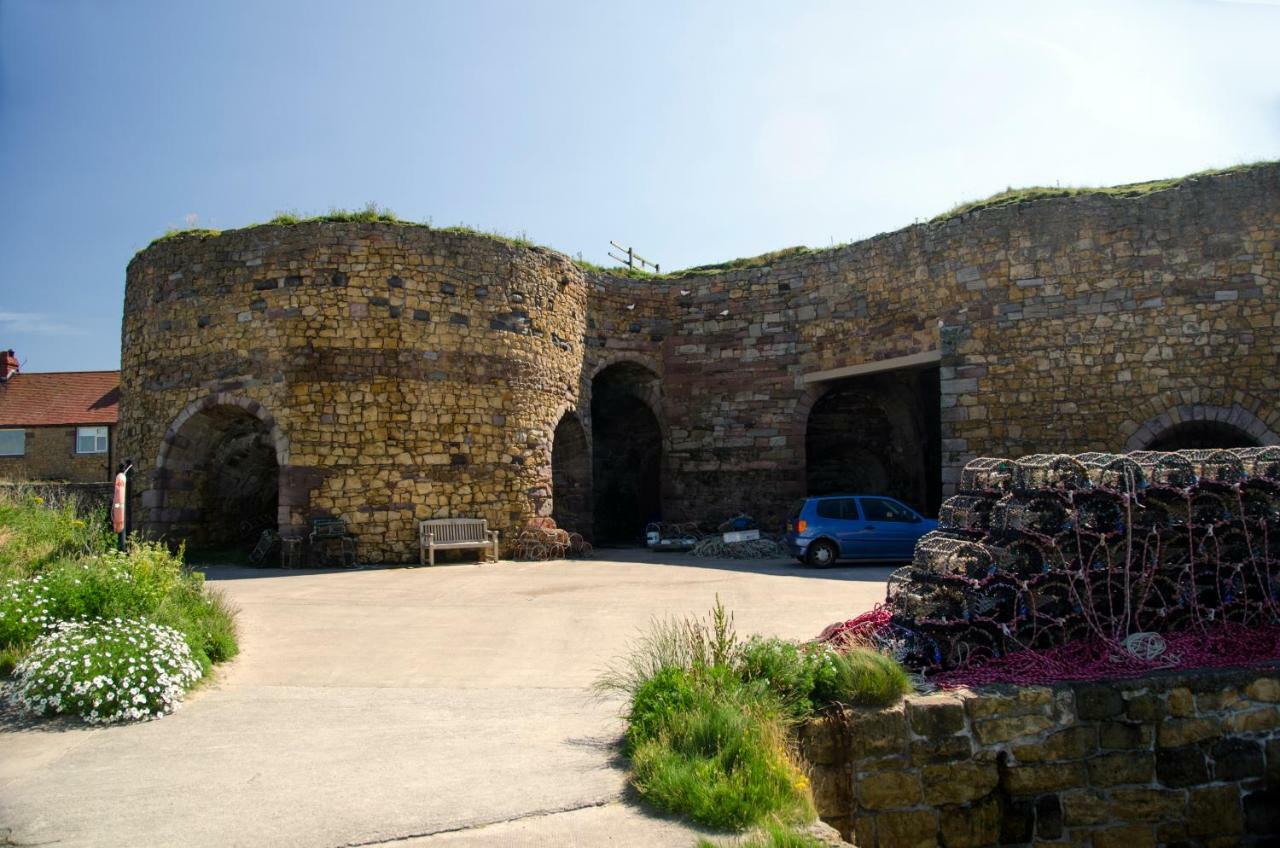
(77, 523)
(39, 500)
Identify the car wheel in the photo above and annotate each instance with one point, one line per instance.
(822, 554)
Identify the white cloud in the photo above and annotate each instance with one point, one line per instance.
(36, 324)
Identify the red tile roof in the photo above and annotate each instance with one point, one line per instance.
(60, 397)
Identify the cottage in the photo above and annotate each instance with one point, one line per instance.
(58, 425)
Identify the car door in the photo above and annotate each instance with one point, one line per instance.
(841, 517)
(891, 528)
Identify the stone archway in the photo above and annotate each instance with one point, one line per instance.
(1202, 426)
(217, 475)
(571, 476)
(877, 434)
(627, 452)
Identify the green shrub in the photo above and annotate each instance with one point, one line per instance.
(104, 671)
(709, 716)
(35, 532)
(808, 677)
(785, 668)
(145, 582)
(24, 611)
(704, 744)
(860, 677)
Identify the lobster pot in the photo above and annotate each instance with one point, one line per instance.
(1113, 472)
(1163, 468)
(1216, 466)
(938, 554)
(1260, 463)
(1045, 513)
(966, 514)
(987, 475)
(1052, 471)
(1102, 511)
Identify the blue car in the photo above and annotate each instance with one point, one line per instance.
(822, 530)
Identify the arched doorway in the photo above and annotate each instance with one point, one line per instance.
(878, 434)
(571, 476)
(626, 453)
(217, 479)
(1202, 434)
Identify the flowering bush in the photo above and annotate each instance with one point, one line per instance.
(105, 671)
(24, 611)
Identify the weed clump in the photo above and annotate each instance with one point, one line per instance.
(709, 717)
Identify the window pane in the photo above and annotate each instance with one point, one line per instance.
(91, 440)
(842, 509)
(13, 442)
(828, 509)
(879, 509)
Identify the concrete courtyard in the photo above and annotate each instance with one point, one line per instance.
(436, 707)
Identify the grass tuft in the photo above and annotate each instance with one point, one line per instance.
(709, 716)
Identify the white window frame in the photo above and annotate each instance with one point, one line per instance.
(22, 442)
(101, 440)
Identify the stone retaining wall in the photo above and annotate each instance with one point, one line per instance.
(1171, 759)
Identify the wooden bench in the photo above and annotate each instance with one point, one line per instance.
(453, 534)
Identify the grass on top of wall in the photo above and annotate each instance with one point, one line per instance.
(1011, 196)
(370, 213)
(709, 717)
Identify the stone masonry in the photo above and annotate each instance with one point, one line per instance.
(1175, 759)
(403, 372)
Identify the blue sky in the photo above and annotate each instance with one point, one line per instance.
(695, 131)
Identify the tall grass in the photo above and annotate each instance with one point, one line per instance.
(709, 717)
(37, 530)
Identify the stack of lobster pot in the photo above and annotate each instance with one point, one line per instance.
(1052, 548)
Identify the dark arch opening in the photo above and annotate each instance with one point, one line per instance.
(1202, 434)
(220, 480)
(626, 453)
(571, 476)
(880, 434)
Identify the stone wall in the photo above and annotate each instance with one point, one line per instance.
(1177, 759)
(402, 373)
(405, 372)
(50, 454)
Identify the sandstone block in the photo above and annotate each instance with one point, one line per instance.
(958, 783)
(936, 715)
(1121, 767)
(1146, 805)
(1174, 733)
(1264, 689)
(1050, 777)
(970, 826)
(907, 829)
(994, 730)
(1011, 702)
(886, 790)
(1214, 811)
(1128, 836)
(1071, 743)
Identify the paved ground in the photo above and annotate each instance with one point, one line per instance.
(432, 707)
